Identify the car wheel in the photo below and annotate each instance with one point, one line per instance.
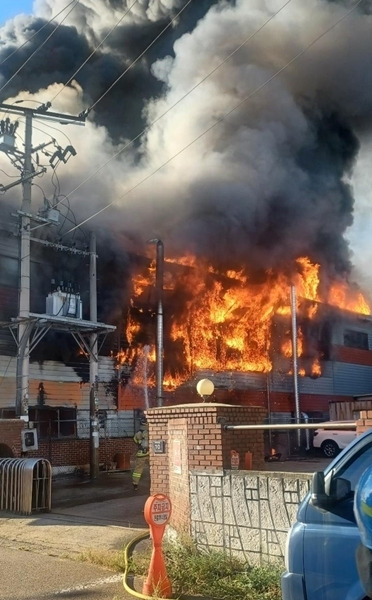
(330, 448)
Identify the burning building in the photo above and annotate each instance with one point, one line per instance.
(237, 328)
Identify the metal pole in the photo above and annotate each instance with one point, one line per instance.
(23, 358)
(295, 361)
(93, 364)
(159, 319)
(326, 425)
(159, 326)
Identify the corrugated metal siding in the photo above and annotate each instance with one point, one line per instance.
(352, 380)
(8, 304)
(352, 355)
(57, 393)
(106, 369)
(9, 245)
(306, 385)
(62, 385)
(8, 309)
(116, 424)
(230, 379)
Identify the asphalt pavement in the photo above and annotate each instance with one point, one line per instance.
(100, 514)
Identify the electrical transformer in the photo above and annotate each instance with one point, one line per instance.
(64, 304)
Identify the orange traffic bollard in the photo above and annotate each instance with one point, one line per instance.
(157, 513)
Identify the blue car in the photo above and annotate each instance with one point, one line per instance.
(321, 545)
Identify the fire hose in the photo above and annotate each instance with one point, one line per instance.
(127, 553)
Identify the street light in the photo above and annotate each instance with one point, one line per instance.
(205, 388)
(159, 320)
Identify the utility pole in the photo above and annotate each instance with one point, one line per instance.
(93, 365)
(23, 161)
(23, 355)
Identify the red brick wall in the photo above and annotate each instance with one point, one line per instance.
(72, 452)
(10, 435)
(202, 443)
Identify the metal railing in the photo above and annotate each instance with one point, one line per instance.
(25, 485)
(326, 425)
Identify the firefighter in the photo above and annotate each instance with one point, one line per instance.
(363, 516)
(141, 440)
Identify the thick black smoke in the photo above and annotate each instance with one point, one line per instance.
(266, 184)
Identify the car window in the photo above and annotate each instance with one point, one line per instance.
(354, 468)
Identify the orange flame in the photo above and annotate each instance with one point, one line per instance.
(226, 321)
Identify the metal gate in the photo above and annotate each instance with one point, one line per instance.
(25, 485)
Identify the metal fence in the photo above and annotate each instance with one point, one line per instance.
(25, 485)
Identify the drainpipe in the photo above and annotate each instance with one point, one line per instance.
(159, 321)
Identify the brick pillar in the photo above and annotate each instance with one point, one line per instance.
(194, 438)
(364, 422)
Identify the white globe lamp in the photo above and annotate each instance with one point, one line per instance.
(205, 388)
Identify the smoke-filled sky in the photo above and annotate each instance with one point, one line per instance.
(268, 159)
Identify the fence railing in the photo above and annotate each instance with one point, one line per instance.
(25, 485)
(270, 426)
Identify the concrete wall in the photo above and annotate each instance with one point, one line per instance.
(245, 513)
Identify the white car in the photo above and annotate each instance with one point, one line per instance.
(332, 441)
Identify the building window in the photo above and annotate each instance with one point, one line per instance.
(51, 423)
(356, 339)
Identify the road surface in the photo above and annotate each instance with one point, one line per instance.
(25, 575)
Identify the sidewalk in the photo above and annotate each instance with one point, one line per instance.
(101, 515)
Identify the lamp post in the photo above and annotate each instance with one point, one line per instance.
(159, 319)
(205, 388)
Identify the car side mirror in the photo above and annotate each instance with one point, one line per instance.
(340, 489)
(318, 496)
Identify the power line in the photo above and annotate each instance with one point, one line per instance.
(36, 33)
(148, 127)
(39, 47)
(138, 57)
(94, 51)
(222, 118)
